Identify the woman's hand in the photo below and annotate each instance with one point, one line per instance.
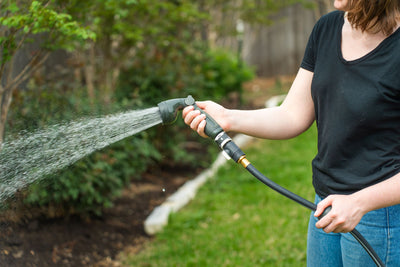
(347, 210)
(346, 213)
(197, 121)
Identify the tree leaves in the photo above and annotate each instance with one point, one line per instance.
(36, 18)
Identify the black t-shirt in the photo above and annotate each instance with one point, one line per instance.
(357, 110)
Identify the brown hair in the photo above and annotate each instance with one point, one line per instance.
(374, 15)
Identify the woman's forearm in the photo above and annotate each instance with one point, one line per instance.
(269, 123)
(290, 119)
(293, 117)
(383, 194)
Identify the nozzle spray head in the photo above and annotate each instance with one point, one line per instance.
(169, 108)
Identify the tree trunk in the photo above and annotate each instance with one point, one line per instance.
(12, 81)
(5, 103)
(89, 71)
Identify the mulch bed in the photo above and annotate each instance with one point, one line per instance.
(89, 242)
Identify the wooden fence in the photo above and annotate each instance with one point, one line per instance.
(279, 48)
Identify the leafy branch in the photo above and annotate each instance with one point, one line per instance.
(18, 25)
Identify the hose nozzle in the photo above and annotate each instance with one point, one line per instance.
(169, 108)
(168, 111)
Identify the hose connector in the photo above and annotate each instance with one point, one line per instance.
(229, 147)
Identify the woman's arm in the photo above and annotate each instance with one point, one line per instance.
(347, 210)
(293, 117)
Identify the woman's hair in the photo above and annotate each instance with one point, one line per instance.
(374, 15)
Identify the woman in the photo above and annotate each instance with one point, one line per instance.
(349, 83)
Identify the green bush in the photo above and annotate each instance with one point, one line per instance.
(224, 73)
(93, 182)
(203, 73)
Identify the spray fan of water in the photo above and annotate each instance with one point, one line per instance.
(34, 155)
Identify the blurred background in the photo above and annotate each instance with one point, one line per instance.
(61, 60)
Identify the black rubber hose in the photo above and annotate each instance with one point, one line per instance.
(214, 130)
(364, 243)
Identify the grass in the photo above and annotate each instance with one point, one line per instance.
(235, 220)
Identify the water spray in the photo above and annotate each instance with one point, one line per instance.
(168, 111)
(34, 155)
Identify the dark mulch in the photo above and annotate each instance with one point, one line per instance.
(89, 242)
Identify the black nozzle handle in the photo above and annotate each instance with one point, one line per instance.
(212, 128)
(215, 131)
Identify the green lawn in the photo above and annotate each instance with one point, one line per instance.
(235, 220)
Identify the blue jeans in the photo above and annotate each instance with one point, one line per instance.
(380, 227)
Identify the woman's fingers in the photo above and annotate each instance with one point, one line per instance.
(195, 120)
(185, 113)
(200, 129)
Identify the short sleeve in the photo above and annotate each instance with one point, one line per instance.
(308, 61)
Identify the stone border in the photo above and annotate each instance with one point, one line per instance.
(158, 219)
(274, 101)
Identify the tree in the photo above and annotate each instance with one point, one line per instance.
(128, 32)
(20, 21)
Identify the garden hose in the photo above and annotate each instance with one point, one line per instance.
(212, 129)
(356, 234)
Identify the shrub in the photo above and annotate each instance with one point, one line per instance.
(224, 73)
(93, 182)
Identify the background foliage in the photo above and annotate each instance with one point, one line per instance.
(115, 55)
